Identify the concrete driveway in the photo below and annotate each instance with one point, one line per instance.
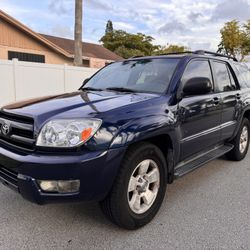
(207, 209)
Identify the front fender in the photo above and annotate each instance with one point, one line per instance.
(147, 128)
(144, 128)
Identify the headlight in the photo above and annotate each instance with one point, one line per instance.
(67, 133)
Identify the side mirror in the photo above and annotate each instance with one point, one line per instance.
(197, 86)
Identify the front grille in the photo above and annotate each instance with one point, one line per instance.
(17, 131)
(9, 178)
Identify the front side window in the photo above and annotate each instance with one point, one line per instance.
(142, 75)
(197, 68)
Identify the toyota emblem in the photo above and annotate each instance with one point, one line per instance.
(5, 129)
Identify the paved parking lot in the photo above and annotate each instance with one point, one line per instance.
(207, 209)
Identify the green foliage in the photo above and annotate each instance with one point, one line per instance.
(247, 27)
(235, 39)
(170, 49)
(109, 27)
(127, 53)
(128, 45)
(246, 42)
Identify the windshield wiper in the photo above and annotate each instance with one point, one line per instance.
(91, 89)
(120, 89)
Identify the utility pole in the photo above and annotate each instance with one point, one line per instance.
(78, 33)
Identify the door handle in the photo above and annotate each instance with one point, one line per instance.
(216, 101)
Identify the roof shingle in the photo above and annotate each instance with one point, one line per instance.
(88, 49)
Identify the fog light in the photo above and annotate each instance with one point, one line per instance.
(61, 186)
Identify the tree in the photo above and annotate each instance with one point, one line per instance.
(246, 42)
(234, 40)
(172, 48)
(127, 53)
(78, 33)
(247, 27)
(109, 27)
(126, 44)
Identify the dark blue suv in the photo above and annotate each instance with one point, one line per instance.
(133, 127)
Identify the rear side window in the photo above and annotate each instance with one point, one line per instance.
(223, 77)
(234, 86)
(197, 68)
(243, 75)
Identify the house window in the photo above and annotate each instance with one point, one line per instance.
(27, 57)
(85, 63)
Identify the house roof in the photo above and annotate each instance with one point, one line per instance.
(62, 45)
(33, 34)
(88, 49)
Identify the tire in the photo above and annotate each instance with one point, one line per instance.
(241, 143)
(133, 202)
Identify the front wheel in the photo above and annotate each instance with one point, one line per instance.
(139, 189)
(240, 142)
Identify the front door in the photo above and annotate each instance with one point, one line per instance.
(200, 115)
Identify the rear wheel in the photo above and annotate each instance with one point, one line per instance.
(240, 142)
(139, 189)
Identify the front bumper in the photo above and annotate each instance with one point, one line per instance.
(95, 170)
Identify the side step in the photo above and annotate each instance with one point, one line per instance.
(187, 167)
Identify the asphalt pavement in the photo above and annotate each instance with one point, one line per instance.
(206, 209)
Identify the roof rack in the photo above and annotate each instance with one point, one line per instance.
(197, 52)
(171, 53)
(204, 52)
(201, 52)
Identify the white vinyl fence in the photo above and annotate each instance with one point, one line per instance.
(22, 80)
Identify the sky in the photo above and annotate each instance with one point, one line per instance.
(192, 23)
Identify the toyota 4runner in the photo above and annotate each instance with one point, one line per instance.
(131, 129)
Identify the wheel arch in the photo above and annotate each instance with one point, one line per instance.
(245, 114)
(166, 145)
(159, 130)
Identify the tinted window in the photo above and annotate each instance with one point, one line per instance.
(243, 75)
(197, 68)
(233, 83)
(222, 77)
(149, 75)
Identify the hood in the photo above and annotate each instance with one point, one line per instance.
(76, 104)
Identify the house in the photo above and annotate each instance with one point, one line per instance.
(19, 41)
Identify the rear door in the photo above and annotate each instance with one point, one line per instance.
(199, 115)
(228, 88)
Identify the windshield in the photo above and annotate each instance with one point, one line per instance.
(144, 75)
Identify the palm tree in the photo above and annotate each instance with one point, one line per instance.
(78, 33)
